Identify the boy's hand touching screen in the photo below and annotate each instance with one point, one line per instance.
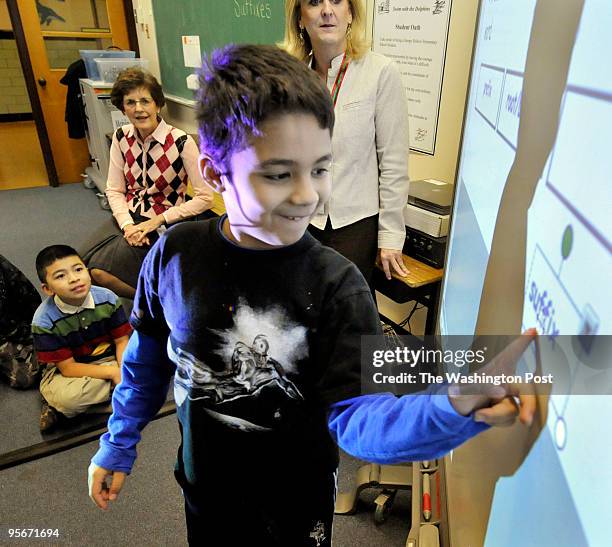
(499, 405)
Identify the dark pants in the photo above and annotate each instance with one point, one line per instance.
(358, 242)
(291, 512)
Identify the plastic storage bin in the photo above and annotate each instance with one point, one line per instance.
(110, 68)
(88, 56)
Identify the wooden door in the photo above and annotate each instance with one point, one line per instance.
(55, 30)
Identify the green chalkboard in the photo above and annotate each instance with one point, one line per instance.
(217, 23)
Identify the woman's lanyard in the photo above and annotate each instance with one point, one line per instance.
(340, 78)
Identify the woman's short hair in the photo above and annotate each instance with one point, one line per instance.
(356, 47)
(134, 78)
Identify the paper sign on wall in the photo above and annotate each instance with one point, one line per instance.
(413, 33)
(192, 55)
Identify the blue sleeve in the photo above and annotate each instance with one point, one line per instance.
(145, 376)
(386, 429)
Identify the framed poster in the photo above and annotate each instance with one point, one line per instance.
(414, 34)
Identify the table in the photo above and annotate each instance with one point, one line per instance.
(422, 284)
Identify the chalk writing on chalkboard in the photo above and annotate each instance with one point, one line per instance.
(247, 8)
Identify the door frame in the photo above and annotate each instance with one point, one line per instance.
(31, 84)
(130, 23)
(28, 73)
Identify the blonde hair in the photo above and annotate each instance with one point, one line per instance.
(356, 44)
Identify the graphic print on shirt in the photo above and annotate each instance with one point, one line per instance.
(318, 533)
(258, 351)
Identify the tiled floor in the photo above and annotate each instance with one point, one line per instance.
(21, 160)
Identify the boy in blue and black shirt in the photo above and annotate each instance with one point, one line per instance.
(260, 326)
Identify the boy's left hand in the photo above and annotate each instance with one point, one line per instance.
(504, 412)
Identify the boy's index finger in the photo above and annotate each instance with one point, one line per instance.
(507, 359)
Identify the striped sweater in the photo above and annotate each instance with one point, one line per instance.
(87, 335)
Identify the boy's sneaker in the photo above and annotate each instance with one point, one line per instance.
(48, 417)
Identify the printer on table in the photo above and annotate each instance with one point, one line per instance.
(427, 217)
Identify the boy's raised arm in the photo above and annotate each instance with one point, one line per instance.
(385, 429)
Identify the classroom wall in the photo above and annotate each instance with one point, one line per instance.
(443, 164)
(145, 30)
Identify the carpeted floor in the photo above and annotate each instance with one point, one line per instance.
(33, 218)
(52, 493)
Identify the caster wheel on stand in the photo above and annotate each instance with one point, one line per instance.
(384, 502)
(88, 182)
(103, 201)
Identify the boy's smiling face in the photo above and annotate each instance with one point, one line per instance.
(69, 279)
(277, 183)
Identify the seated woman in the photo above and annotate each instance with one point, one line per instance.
(150, 164)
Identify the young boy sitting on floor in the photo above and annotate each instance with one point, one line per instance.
(260, 327)
(80, 331)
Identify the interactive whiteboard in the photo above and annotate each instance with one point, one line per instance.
(530, 246)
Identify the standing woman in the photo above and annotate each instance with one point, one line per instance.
(370, 142)
(150, 165)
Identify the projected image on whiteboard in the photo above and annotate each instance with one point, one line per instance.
(569, 259)
(488, 152)
(566, 254)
